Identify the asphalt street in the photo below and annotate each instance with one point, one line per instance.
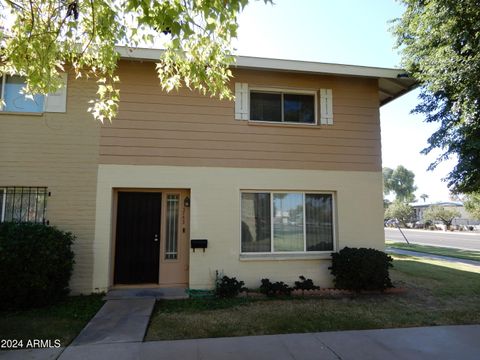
(468, 241)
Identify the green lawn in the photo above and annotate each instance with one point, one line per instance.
(62, 321)
(456, 253)
(435, 295)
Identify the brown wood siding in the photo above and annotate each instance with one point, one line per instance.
(186, 128)
(59, 151)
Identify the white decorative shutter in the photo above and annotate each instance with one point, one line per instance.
(326, 107)
(57, 101)
(241, 101)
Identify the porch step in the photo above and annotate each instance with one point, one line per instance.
(152, 293)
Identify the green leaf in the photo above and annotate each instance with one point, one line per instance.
(440, 45)
(198, 43)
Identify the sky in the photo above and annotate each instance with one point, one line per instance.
(348, 32)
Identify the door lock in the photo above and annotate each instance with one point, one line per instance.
(155, 238)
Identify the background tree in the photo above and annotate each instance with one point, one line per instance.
(386, 203)
(40, 38)
(424, 197)
(456, 197)
(387, 176)
(446, 216)
(440, 45)
(472, 204)
(399, 181)
(400, 211)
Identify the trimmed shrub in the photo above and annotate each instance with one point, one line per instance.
(36, 264)
(361, 269)
(305, 284)
(273, 289)
(226, 287)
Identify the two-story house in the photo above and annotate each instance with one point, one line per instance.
(274, 181)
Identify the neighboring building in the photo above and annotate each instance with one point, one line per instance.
(464, 220)
(275, 182)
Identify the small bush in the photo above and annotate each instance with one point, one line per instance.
(273, 289)
(361, 269)
(36, 263)
(305, 284)
(226, 287)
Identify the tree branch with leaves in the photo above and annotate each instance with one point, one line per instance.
(440, 45)
(472, 204)
(43, 38)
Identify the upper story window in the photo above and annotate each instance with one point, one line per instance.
(283, 107)
(23, 204)
(271, 105)
(14, 100)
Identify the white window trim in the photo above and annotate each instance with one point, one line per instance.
(310, 255)
(273, 90)
(290, 255)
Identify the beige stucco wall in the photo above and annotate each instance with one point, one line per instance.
(215, 215)
(58, 151)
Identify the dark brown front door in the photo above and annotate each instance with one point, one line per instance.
(137, 246)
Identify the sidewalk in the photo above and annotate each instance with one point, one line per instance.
(440, 342)
(432, 256)
(443, 232)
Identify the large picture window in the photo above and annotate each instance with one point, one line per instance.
(279, 222)
(282, 107)
(23, 204)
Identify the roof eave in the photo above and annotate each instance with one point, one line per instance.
(400, 93)
(403, 83)
(259, 63)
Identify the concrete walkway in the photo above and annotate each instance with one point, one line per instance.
(118, 321)
(440, 342)
(432, 256)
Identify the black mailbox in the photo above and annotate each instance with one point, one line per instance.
(198, 244)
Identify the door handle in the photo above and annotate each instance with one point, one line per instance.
(155, 238)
